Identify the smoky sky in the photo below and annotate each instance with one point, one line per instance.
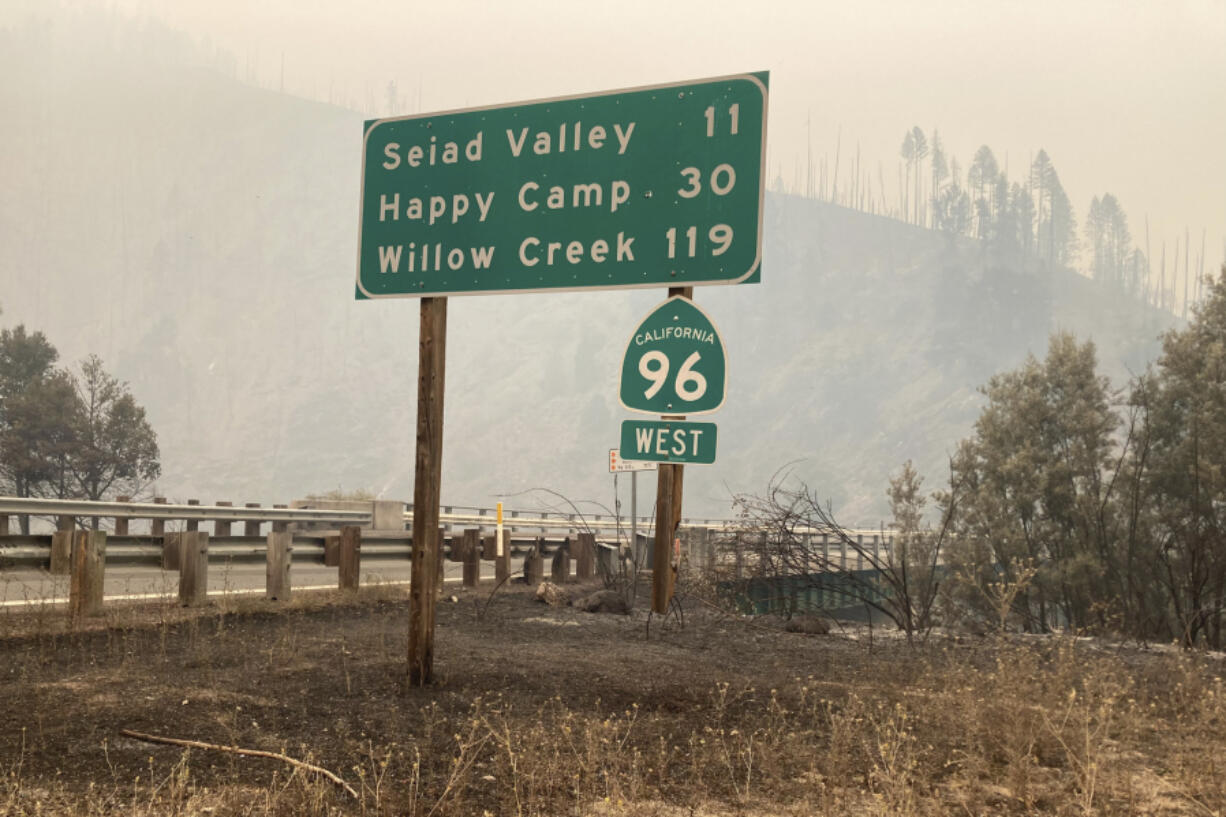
(1126, 97)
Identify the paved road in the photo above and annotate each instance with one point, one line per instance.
(25, 587)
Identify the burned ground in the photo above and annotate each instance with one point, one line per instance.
(540, 710)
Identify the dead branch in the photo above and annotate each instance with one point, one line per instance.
(235, 750)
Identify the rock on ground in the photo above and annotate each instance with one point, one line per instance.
(809, 625)
(552, 594)
(603, 601)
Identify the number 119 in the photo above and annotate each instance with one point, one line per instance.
(720, 236)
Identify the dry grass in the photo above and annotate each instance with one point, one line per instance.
(720, 717)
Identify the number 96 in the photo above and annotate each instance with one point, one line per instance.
(689, 386)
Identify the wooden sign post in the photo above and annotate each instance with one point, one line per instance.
(668, 517)
(445, 210)
(669, 482)
(427, 476)
(676, 353)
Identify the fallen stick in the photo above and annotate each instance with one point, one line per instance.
(235, 750)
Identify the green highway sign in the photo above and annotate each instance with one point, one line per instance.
(657, 186)
(674, 441)
(675, 362)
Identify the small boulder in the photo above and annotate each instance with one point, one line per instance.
(809, 625)
(552, 594)
(603, 601)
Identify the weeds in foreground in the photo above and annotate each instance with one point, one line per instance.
(998, 726)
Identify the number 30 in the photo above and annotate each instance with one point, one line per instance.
(723, 179)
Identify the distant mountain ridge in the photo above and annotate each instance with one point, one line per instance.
(200, 234)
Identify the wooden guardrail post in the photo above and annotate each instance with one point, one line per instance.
(280, 554)
(472, 556)
(192, 524)
(88, 564)
(121, 522)
(172, 550)
(61, 546)
(606, 560)
(455, 553)
(221, 527)
(332, 550)
(559, 569)
(251, 527)
(4, 524)
(157, 527)
(534, 563)
(349, 557)
(61, 553)
(502, 564)
(585, 559)
(193, 567)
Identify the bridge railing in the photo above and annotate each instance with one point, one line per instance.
(385, 524)
(342, 537)
(192, 511)
(386, 529)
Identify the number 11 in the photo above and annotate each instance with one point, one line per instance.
(733, 112)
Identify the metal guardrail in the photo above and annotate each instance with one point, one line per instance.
(560, 522)
(33, 551)
(158, 510)
(473, 514)
(469, 515)
(476, 516)
(645, 525)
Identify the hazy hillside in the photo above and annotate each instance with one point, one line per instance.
(200, 234)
